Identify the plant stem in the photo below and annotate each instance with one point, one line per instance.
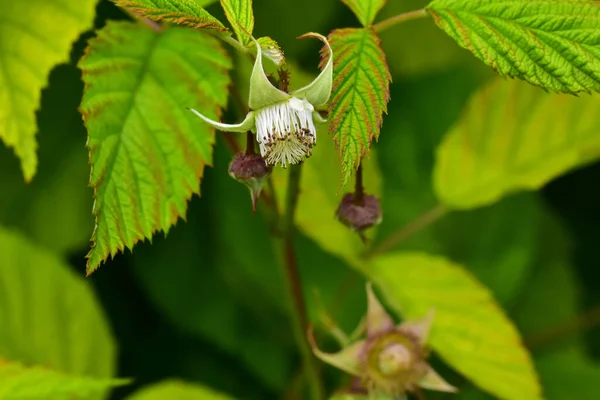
(408, 230)
(358, 187)
(288, 261)
(579, 323)
(397, 19)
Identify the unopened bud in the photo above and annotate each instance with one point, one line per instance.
(359, 214)
(251, 170)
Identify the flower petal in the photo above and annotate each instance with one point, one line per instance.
(262, 92)
(246, 125)
(378, 320)
(419, 328)
(317, 93)
(433, 381)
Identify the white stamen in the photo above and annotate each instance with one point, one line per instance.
(286, 132)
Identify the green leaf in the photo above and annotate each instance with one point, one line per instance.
(52, 210)
(360, 94)
(240, 16)
(20, 382)
(486, 241)
(548, 43)
(34, 37)
(271, 50)
(470, 331)
(514, 137)
(50, 319)
(147, 152)
(180, 12)
(179, 390)
(365, 10)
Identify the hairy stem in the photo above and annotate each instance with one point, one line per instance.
(397, 19)
(408, 230)
(289, 262)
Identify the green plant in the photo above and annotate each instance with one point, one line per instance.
(445, 212)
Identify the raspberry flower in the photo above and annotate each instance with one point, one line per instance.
(283, 122)
(392, 359)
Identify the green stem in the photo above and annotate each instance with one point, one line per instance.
(286, 252)
(397, 19)
(408, 230)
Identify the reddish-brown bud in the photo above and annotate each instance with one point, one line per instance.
(359, 214)
(251, 170)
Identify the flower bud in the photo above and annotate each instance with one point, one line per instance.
(251, 170)
(361, 214)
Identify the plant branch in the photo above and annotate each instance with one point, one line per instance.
(397, 19)
(408, 230)
(289, 262)
(579, 323)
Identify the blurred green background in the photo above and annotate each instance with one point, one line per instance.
(205, 304)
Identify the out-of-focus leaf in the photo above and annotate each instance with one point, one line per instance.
(365, 10)
(360, 94)
(20, 382)
(182, 12)
(53, 209)
(205, 278)
(512, 137)
(49, 316)
(239, 12)
(470, 331)
(548, 43)
(177, 390)
(147, 151)
(486, 241)
(34, 37)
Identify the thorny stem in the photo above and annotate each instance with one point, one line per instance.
(408, 230)
(397, 19)
(290, 264)
(358, 187)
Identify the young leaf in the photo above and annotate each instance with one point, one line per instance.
(51, 318)
(512, 137)
(20, 382)
(34, 37)
(176, 389)
(239, 12)
(180, 12)
(554, 44)
(470, 331)
(147, 151)
(365, 10)
(360, 94)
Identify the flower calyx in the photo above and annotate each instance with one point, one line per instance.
(392, 359)
(251, 170)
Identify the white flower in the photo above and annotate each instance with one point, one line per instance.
(283, 122)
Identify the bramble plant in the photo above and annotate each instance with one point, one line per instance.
(437, 212)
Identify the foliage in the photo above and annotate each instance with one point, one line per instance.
(476, 199)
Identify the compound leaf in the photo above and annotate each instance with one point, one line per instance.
(365, 10)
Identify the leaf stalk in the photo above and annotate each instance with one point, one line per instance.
(398, 19)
